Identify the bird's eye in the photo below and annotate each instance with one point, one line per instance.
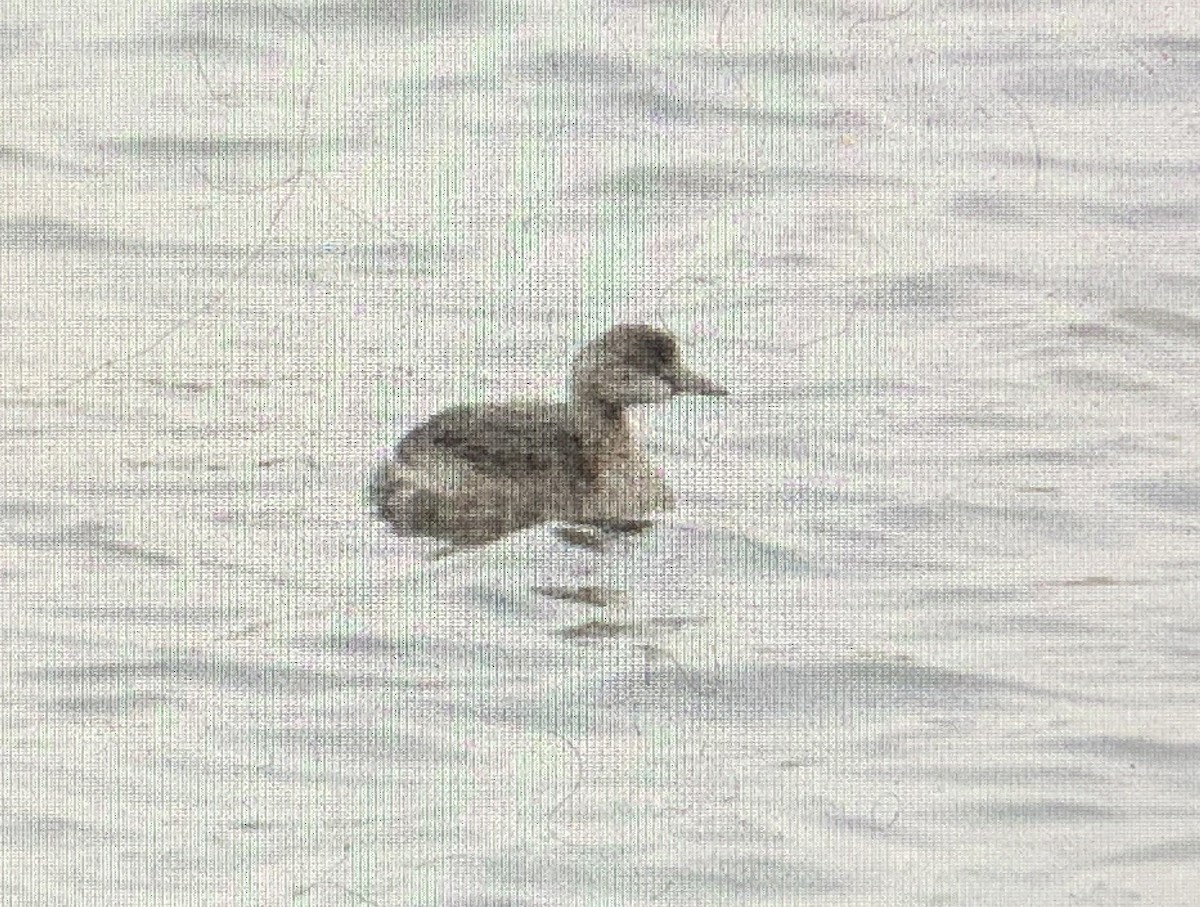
(663, 350)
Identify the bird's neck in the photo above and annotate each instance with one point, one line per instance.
(600, 415)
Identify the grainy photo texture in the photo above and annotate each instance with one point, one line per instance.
(528, 453)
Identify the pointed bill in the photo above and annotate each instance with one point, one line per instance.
(685, 381)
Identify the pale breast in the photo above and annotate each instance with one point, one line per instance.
(627, 487)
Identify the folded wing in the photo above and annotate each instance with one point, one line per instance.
(535, 444)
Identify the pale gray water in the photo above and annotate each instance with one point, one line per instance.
(925, 628)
